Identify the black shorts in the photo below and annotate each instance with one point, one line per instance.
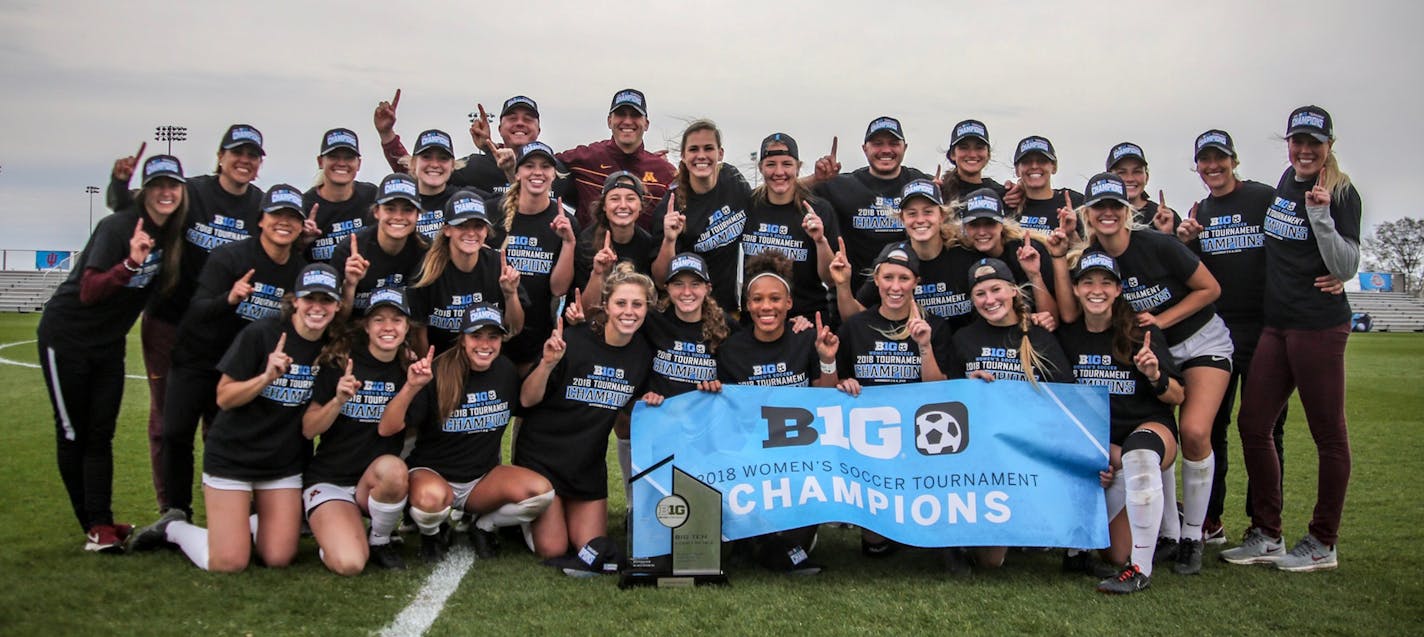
(1120, 431)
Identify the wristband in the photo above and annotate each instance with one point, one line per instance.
(1161, 385)
(130, 268)
(828, 368)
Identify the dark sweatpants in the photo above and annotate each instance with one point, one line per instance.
(192, 395)
(159, 337)
(85, 390)
(1244, 337)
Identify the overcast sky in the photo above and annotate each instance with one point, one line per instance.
(86, 82)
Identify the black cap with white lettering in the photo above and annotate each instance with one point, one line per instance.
(1105, 186)
(1218, 139)
(393, 297)
(242, 135)
(162, 167)
(969, 129)
(1095, 260)
(885, 125)
(535, 148)
(520, 101)
(629, 97)
(1123, 151)
(1310, 120)
(339, 139)
(482, 315)
(434, 139)
(318, 278)
(983, 203)
(1034, 144)
(923, 188)
(688, 262)
(283, 197)
(465, 206)
(398, 186)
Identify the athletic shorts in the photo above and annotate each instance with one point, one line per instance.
(323, 492)
(1120, 432)
(293, 481)
(1210, 346)
(462, 489)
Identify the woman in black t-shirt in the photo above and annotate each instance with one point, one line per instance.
(82, 336)
(1108, 349)
(338, 205)
(613, 237)
(386, 256)
(1034, 202)
(1129, 163)
(968, 156)
(986, 232)
(687, 331)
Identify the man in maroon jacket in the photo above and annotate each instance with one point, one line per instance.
(591, 164)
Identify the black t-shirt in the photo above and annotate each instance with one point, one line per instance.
(1232, 245)
(354, 440)
(943, 289)
(1041, 215)
(1155, 269)
(681, 358)
(441, 305)
(337, 219)
(1132, 400)
(215, 217)
(789, 361)
(1010, 257)
(955, 190)
(481, 172)
(262, 440)
(432, 212)
(466, 444)
(565, 436)
(778, 227)
(533, 248)
(873, 358)
(384, 270)
(715, 221)
(1145, 214)
(211, 323)
(639, 251)
(866, 208)
(996, 350)
(69, 323)
(1293, 257)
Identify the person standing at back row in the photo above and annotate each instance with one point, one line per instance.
(591, 164)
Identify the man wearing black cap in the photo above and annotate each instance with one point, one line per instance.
(592, 163)
(338, 204)
(866, 200)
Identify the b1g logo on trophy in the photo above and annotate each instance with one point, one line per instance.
(692, 514)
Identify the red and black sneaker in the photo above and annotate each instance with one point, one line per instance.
(104, 538)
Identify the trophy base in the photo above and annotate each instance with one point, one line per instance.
(668, 580)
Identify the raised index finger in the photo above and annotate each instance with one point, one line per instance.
(1161, 199)
(281, 343)
(395, 101)
(840, 241)
(483, 116)
(138, 228)
(141, 147)
(354, 251)
(835, 143)
(608, 240)
(1067, 201)
(1147, 341)
(348, 365)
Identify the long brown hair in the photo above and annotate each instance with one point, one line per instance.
(451, 370)
(352, 336)
(171, 240)
(714, 321)
(684, 180)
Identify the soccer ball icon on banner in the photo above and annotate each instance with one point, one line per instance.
(938, 431)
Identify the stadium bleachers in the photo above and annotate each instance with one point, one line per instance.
(1391, 311)
(27, 291)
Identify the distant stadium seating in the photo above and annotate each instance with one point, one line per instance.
(27, 291)
(1390, 311)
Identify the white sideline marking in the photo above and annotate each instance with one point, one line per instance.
(430, 600)
(6, 361)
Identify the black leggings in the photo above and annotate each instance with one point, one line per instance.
(192, 395)
(85, 390)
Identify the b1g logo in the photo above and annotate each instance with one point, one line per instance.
(672, 511)
(941, 428)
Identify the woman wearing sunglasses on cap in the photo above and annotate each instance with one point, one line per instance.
(613, 237)
(387, 255)
(242, 282)
(82, 334)
(338, 204)
(252, 461)
(461, 270)
(1312, 229)
(708, 207)
(1129, 163)
(1167, 285)
(985, 232)
(459, 404)
(968, 156)
(222, 207)
(1109, 349)
(785, 217)
(1035, 163)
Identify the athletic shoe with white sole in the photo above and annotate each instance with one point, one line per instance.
(1189, 557)
(1309, 554)
(102, 538)
(1257, 548)
(1213, 533)
(1129, 580)
(155, 535)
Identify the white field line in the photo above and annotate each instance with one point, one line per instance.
(430, 600)
(7, 361)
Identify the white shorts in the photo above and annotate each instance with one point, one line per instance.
(293, 481)
(323, 492)
(462, 489)
(1210, 346)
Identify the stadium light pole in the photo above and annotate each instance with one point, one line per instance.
(92, 190)
(170, 134)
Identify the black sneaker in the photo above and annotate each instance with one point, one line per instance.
(884, 548)
(432, 548)
(485, 543)
(387, 556)
(1079, 562)
(1189, 557)
(1129, 580)
(1166, 550)
(955, 562)
(155, 535)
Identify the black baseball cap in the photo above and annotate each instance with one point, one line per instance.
(434, 139)
(339, 138)
(394, 297)
(967, 129)
(1214, 138)
(535, 148)
(398, 186)
(1105, 186)
(782, 139)
(162, 167)
(599, 556)
(884, 124)
(465, 206)
(1095, 260)
(1123, 151)
(989, 268)
(899, 253)
(520, 101)
(623, 179)
(1034, 144)
(481, 315)
(629, 97)
(318, 278)
(240, 135)
(283, 197)
(920, 188)
(688, 262)
(1311, 120)
(983, 203)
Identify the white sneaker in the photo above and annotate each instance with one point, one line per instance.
(1257, 548)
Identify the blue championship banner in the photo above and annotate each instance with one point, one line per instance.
(949, 463)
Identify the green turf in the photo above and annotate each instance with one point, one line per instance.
(52, 587)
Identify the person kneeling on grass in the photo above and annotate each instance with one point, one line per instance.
(459, 404)
(356, 470)
(254, 451)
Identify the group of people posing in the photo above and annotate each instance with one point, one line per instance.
(357, 350)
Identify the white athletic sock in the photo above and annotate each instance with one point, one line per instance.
(429, 522)
(192, 539)
(1196, 491)
(1171, 527)
(1144, 497)
(516, 512)
(252, 524)
(625, 462)
(1116, 495)
(385, 517)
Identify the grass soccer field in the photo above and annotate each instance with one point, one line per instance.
(51, 586)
